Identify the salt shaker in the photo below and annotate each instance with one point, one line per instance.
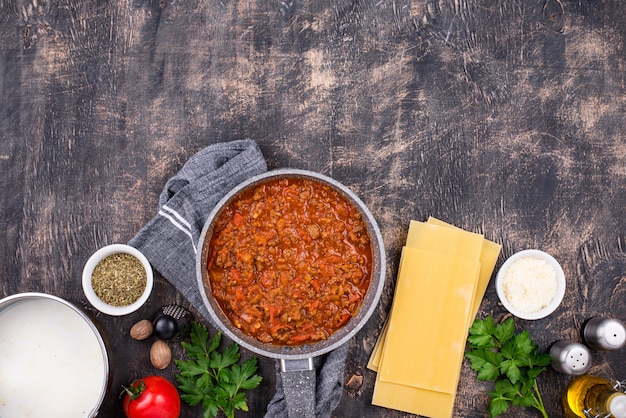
(606, 334)
(570, 357)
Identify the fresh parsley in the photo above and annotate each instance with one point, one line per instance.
(511, 360)
(212, 378)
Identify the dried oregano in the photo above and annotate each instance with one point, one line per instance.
(119, 279)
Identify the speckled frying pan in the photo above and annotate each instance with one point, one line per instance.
(297, 368)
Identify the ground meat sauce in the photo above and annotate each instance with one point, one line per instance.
(290, 261)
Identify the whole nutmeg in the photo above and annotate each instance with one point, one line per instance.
(160, 354)
(141, 330)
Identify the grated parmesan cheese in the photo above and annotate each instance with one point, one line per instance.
(529, 284)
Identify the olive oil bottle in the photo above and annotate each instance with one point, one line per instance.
(594, 397)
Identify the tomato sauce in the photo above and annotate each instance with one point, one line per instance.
(290, 261)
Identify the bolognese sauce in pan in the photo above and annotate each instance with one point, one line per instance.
(290, 261)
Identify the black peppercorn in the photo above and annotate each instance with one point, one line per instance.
(172, 321)
(165, 327)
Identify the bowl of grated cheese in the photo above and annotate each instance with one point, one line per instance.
(530, 284)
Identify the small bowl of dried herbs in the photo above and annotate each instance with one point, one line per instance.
(117, 279)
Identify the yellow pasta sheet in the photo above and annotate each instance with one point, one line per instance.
(443, 274)
(426, 335)
(488, 258)
(414, 400)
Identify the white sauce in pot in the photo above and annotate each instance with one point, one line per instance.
(51, 361)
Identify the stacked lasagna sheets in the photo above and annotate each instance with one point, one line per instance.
(443, 274)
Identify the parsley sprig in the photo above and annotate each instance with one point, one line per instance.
(511, 360)
(212, 378)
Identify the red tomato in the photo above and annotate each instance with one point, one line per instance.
(152, 397)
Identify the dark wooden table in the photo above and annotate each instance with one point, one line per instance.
(505, 118)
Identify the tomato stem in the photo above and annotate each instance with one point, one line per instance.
(135, 390)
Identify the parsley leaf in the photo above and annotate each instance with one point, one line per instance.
(212, 378)
(510, 360)
(504, 331)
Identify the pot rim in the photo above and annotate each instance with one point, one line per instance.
(340, 336)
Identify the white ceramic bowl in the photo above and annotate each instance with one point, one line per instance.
(560, 285)
(91, 264)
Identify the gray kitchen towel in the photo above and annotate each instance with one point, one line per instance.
(170, 242)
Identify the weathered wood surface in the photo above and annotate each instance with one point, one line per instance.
(501, 117)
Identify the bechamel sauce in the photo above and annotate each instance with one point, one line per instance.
(51, 362)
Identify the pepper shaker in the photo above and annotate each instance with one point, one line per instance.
(606, 334)
(570, 357)
(172, 321)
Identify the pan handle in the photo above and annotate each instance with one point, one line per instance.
(299, 387)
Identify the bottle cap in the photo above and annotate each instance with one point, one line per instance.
(617, 405)
(570, 357)
(605, 334)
